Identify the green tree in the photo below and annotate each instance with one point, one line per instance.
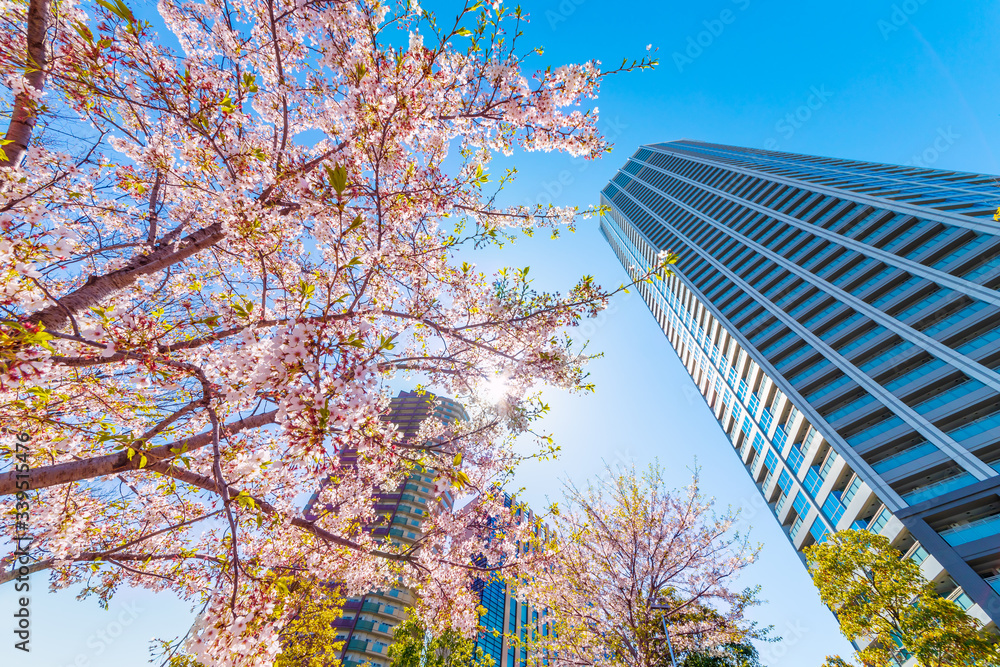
(880, 597)
(310, 639)
(414, 646)
(836, 661)
(736, 651)
(727, 655)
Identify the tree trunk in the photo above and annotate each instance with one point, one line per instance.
(24, 115)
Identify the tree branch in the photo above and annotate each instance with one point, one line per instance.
(209, 484)
(74, 471)
(105, 556)
(97, 289)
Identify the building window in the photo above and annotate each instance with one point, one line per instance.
(879, 522)
(818, 530)
(919, 555)
(852, 490)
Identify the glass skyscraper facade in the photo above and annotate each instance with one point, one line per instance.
(842, 321)
(509, 625)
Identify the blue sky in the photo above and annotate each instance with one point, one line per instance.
(887, 81)
(878, 80)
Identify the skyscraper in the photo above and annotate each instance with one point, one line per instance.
(509, 624)
(368, 621)
(842, 321)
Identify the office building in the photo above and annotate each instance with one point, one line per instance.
(842, 321)
(509, 625)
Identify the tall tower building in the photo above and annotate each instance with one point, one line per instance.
(369, 621)
(509, 624)
(842, 320)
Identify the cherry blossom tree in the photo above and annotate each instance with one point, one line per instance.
(628, 544)
(222, 244)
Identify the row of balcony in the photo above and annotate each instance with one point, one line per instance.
(821, 477)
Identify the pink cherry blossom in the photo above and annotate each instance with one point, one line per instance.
(210, 288)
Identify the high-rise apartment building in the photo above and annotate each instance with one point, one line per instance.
(842, 320)
(369, 621)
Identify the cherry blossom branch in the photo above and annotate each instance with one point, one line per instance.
(209, 484)
(450, 331)
(194, 343)
(154, 213)
(222, 488)
(320, 239)
(99, 288)
(161, 531)
(100, 466)
(281, 83)
(109, 557)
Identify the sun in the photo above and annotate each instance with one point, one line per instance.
(495, 389)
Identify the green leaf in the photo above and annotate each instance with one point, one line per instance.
(338, 178)
(357, 222)
(227, 105)
(250, 82)
(462, 32)
(243, 309)
(124, 11)
(243, 499)
(84, 32)
(457, 461)
(118, 9)
(481, 176)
